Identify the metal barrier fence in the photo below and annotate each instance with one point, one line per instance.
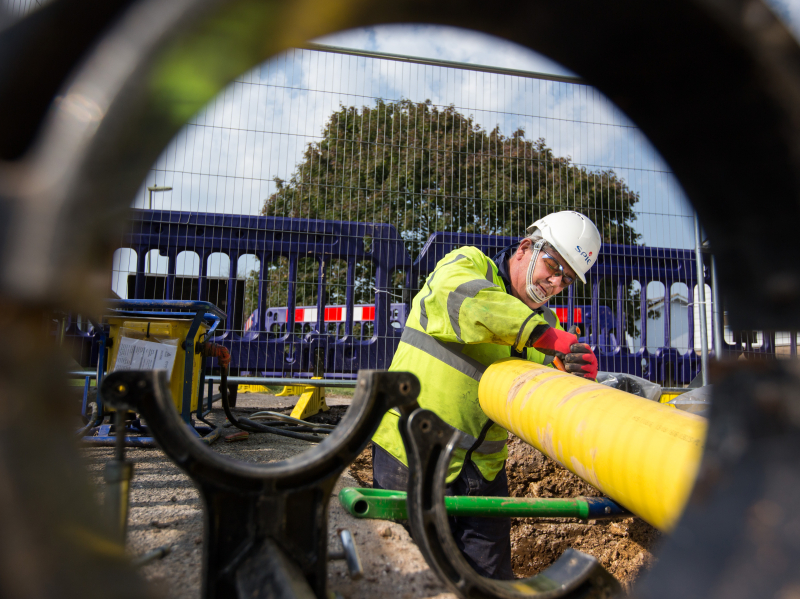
(292, 339)
(329, 182)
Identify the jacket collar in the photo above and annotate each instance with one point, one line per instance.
(501, 260)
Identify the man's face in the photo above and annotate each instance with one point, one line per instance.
(548, 281)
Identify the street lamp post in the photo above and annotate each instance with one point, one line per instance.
(150, 190)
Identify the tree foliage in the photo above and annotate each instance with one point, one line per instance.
(425, 169)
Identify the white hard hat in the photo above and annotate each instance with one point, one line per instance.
(573, 236)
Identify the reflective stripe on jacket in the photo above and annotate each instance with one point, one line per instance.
(461, 321)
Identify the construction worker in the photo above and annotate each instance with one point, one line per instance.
(471, 312)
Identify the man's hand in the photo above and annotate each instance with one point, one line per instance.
(555, 342)
(581, 361)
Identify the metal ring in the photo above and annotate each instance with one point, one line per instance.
(430, 443)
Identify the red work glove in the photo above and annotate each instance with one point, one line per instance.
(581, 361)
(555, 342)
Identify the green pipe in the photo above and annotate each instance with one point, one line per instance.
(391, 505)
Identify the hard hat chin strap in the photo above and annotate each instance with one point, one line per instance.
(531, 289)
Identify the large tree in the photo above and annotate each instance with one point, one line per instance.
(424, 169)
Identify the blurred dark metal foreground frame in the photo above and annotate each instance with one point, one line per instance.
(266, 526)
(429, 443)
(131, 75)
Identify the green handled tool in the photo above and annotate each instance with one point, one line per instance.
(391, 505)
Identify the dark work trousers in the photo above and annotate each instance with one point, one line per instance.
(485, 542)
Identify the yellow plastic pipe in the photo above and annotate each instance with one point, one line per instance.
(640, 453)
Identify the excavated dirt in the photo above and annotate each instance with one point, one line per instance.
(624, 547)
(361, 468)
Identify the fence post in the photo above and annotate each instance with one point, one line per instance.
(692, 315)
(620, 316)
(291, 296)
(172, 269)
(261, 303)
(322, 301)
(202, 277)
(667, 313)
(139, 285)
(643, 314)
(701, 301)
(716, 314)
(349, 298)
(230, 309)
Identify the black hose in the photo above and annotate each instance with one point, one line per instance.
(250, 426)
(308, 429)
(288, 426)
(291, 426)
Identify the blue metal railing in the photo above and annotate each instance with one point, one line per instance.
(293, 351)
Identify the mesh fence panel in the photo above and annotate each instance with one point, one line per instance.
(443, 156)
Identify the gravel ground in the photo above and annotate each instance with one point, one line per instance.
(165, 510)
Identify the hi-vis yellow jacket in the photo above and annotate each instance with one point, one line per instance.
(461, 321)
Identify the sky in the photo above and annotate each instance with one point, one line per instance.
(226, 158)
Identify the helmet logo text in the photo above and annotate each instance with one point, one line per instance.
(583, 254)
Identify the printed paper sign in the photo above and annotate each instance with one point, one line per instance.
(137, 354)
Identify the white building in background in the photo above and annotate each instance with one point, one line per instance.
(679, 325)
(679, 320)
